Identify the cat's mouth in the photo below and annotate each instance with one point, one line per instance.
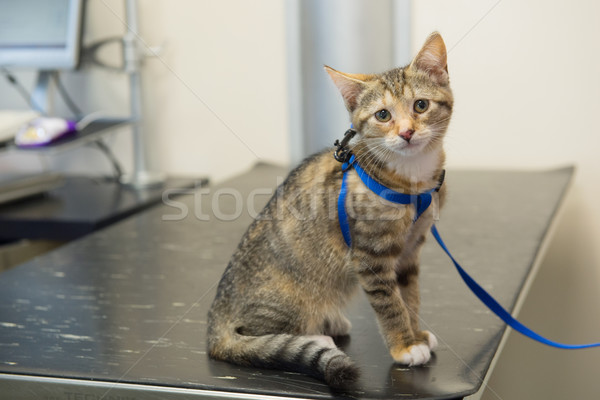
(404, 147)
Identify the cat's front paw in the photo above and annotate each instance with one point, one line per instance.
(416, 354)
(428, 338)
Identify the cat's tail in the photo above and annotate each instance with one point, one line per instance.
(316, 355)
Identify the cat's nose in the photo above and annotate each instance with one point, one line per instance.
(407, 134)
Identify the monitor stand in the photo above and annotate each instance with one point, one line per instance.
(42, 97)
(141, 177)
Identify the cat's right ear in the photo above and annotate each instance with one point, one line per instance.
(350, 86)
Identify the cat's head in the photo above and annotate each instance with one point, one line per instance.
(405, 110)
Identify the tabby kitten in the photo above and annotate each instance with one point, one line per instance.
(279, 302)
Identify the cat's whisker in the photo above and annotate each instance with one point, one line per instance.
(374, 155)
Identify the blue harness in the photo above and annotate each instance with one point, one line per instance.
(421, 202)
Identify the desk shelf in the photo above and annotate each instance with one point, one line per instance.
(94, 131)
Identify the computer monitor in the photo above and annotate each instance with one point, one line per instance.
(40, 34)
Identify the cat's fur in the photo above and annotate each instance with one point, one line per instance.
(279, 302)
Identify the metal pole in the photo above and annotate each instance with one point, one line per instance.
(349, 35)
(141, 177)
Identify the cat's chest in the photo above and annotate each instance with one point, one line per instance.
(378, 219)
(364, 205)
(384, 226)
(417, 168)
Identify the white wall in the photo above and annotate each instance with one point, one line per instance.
(527, 87)
(214, 100)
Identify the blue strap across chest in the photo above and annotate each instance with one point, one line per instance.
(421, 203)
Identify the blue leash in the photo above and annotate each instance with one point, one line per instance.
(421, 203)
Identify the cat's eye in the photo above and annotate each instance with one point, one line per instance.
(383, 115)
(421, 106)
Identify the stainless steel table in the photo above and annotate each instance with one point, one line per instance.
(121, 313)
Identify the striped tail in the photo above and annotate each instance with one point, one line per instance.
(316, 356)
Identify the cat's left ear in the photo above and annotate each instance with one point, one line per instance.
(350, 86)
(432, 59)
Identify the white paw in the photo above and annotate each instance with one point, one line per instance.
(432, 340)
(417, 354)
(322, 340)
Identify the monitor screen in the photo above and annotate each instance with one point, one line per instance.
(40, 34)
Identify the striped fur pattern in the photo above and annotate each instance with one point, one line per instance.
(279, 303)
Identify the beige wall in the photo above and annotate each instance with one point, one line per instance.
(527, 88)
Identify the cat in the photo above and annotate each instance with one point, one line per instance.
(279, 302)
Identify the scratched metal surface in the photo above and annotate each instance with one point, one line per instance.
(128, 304)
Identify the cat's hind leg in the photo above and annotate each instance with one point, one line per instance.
(337, 324)
(322, 340)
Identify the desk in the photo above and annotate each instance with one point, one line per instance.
(81, 206)
(121, 314)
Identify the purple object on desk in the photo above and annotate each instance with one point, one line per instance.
(44, 131)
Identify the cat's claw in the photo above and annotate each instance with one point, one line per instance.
(417, 354)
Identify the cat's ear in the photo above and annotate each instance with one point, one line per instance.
(350, 85)
(432, 59)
